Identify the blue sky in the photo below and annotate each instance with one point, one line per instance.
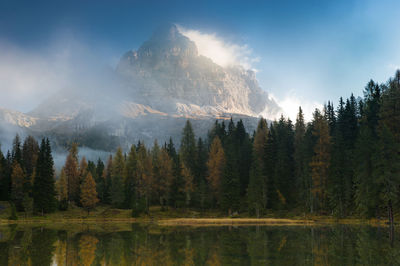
(307, 52)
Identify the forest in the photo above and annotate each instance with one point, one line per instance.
(345, 162)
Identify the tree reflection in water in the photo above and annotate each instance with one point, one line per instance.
(151, 245)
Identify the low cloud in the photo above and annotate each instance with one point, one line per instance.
(221, 52)
(27, 77)
(291, 102)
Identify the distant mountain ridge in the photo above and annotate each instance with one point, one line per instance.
(154, 90)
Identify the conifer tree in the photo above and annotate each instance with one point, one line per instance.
(189, 184)
(117, 179)
(215, 166)
(145, 176)
(107, 177)
(72, 173)
(43, 187)
(203, 191)
(16, 153)
(4, 180)
(300, 159)
(177, 195)
(89, 197)
(366, 192)
(320, 161)
(100, 182)
(30, 150)
(17, 180)
(187, 150)
(130, 173)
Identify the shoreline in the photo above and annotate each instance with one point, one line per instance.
(199, 222)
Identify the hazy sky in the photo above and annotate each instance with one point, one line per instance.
(305, 52)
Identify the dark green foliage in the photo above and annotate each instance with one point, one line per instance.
(44, 200)
(345, 162)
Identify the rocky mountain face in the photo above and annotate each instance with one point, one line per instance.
(167, 73)
(154, 90)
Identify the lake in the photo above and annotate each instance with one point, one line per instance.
(136, 244)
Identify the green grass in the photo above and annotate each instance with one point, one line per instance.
(105, 214)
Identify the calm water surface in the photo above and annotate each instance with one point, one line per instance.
(133, 244)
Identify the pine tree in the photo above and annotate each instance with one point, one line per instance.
(100, 182)
(215, 166)
(89, 197)
(366, 193)
(166, 177)
(244, 150)
(177, 195)
(187, 150)
(131, 178)
(43, 186)
(203, 192)
(72, 173)
(107, 177)
(387, 170)
(117, 180)
(300, 159)
(30, 150)
(284, 180)
(145, 176)
(17, 191)
(259, 154)
(255, 191)
(189, 184)
(4, 179)
(16, 153)
(320, 161)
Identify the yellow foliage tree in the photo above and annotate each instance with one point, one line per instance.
(89, 197)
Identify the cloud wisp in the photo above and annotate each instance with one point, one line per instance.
(221, 52)
(291, 102)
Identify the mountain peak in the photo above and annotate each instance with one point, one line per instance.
(167, 41)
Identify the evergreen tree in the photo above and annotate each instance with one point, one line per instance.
(284, 180)
(187, 150)
(165, 181)
(89, 197)
(216, 165)
(17, 191)
(387, 170)
(107, 179)
(117, 180)
(131, 178)
(4, 179)
(72, 173)
(43, 186)
(177, 195)
(300, 159)
(202, 194)
(30, 150)
(255, 190)
(100, 182)
(366, 193)
(320, 161)
(144, 176)
(16, 153)
(189, 184)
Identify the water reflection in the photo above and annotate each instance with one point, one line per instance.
(133, 244)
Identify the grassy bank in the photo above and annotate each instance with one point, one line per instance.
(177, 217)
